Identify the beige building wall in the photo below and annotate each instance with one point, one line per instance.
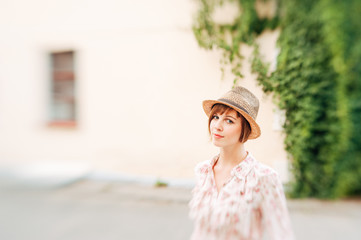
(141, 78)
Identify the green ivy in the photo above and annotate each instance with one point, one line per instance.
(343, 37)
(317, 82)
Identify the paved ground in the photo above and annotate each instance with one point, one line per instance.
(95, 210)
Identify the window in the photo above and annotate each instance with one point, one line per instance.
(62, 95)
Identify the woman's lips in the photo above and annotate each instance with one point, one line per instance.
(218, 136)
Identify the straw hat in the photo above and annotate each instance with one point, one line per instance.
(244, 102)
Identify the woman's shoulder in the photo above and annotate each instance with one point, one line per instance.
(264, 172)
(205, 166)
(268, 177)
(201, 167)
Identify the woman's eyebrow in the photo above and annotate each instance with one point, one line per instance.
(230, 117)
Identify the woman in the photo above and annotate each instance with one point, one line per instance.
(237, 197)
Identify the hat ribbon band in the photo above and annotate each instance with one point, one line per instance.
(232, 103)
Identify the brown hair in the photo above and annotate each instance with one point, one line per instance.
(220, 109)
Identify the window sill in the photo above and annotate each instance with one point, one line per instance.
(62, 124)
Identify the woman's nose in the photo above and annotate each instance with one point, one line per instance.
(218, 125)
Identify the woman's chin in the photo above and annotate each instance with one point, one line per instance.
(217, 143)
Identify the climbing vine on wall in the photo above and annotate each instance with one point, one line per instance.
(317, 82)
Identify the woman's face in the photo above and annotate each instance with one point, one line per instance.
(226, 128)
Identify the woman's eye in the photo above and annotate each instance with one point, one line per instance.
(215, 117)
(229, 121)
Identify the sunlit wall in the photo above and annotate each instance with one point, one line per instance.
(130, 102)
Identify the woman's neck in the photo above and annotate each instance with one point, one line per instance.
(231, 156)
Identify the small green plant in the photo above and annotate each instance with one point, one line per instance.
(160, 183)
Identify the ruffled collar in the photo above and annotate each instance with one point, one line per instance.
(241, 170)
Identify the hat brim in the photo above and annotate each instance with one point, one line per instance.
(255, 129)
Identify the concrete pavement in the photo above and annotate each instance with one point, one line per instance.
(107, 210)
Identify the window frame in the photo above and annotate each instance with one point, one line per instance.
(52, 121)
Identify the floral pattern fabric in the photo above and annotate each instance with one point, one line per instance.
(251, 205)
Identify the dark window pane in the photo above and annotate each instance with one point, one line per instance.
(63, 86)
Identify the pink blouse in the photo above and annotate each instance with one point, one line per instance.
(250, 205)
